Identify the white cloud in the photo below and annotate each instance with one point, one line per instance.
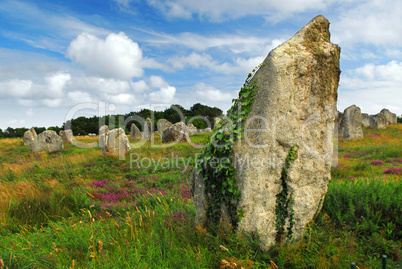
(121, 99)
(373, 87)
(99, 84)
(115, 57)
(209, 93)
(53, 102)
(77, 97)
(165, 94)
(239, 66)
(369, 21)
(139, 86)
(56, 84)
(230, 9)
(15, 88)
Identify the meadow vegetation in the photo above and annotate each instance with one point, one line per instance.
(78, 209)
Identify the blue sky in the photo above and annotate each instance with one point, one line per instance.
(56, 57)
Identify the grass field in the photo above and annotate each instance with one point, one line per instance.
(78, 209)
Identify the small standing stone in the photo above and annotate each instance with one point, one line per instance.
(389, 116)
(103, 137)
(67, 136)
(162, 125)
(135, 132)
(365, 120)
(148, 129)
(47, 141)
(29, 137)
(176, 133)
(351, 126)
(192, 129)
(378, 121)
(117, 143)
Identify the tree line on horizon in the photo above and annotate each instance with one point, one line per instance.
(199, 115)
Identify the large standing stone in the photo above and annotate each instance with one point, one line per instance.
(103, 130)
(378, 121)
(29, 137)
(67, 136)
(389, 116)
(365, 120)
(162, 125)
(135, 132)
(178, 132)
(148, 129)
(191, 129)
(47, 141)
(117, 143)
(351, 126)
(294, 107)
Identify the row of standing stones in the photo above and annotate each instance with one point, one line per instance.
(112, 142)
(352, 120)
(48, 141)
(115, 142)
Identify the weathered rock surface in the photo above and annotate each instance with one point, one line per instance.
(29, 137)
(378, 121)
(178, 132)
(295, 104)
(162, 125)
(351, 126)
(389, 116)
(208, 130)
(217, 120)
(67, 136)
(135, 133)
(338, 122)
(365, 120)
(192, 129)
(117, 143)
(47, 141)
(103, 137)
(148, 129)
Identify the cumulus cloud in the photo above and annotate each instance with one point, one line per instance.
(373, 87)
(195, 60)
(55, 84)
(99, 84)
(117, 56)
(79, 97)
(209, 93)
(230, 9)
(15, 88)
(165, 94)
(369, 21)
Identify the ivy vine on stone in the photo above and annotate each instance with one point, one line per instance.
(215, 161)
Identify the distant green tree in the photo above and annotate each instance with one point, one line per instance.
(1, 133)
(9, 132)
(39, 130)
(206, 111)
(176, 113)
(54, 128)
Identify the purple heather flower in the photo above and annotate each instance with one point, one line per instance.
(377, 162)
(394, 170)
